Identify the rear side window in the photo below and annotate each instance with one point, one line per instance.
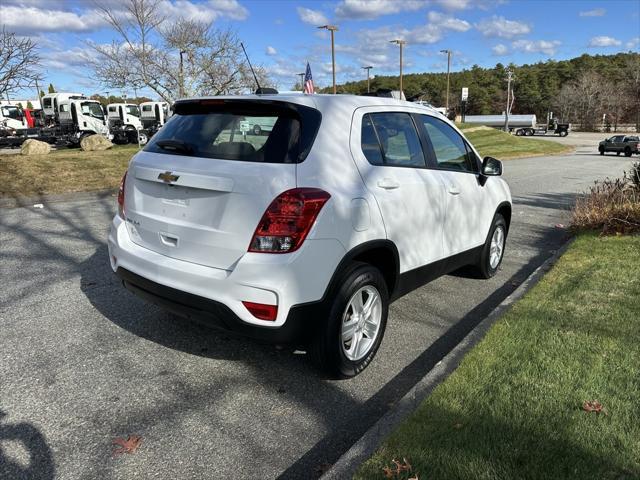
(448, 146)
(396, 138)
(146, 108)
(220, 129)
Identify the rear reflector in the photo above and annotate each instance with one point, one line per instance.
(262, 311)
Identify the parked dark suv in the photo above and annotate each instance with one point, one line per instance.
(620, 143)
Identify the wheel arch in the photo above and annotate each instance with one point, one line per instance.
(382, 254)
(505, 209)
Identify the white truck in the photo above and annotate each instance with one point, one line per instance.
(153, 116)
(68, 118)
(124, 122)
(12, 117)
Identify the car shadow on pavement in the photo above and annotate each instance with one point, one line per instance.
(33, 458)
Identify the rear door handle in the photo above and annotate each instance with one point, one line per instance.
(388, 184)
(453, 190)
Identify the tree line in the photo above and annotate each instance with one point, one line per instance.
(590, 90)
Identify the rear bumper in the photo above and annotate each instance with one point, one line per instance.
(301, 324)
(294, 282)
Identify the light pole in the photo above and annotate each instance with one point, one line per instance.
(448, 52)
(181, 86)
(506, 112)
(367, 69)
(301, 75)
(332, 28)
(400, 43)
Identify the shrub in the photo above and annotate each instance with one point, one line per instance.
(610, 206)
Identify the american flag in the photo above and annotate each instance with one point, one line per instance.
(308, 80)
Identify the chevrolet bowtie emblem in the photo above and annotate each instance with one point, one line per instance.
(168, 177)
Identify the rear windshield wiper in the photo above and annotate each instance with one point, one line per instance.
(176, 146)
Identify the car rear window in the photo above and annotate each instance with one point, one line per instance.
(244, 130)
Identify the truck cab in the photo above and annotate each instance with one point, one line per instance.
(12, 117)
(154, 113)
(124, 122)
(51, 103)
(85, 117)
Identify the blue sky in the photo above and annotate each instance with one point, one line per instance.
(281, 35)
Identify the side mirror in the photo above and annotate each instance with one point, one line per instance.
(491, 167)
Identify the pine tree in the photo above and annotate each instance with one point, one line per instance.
(51, 89)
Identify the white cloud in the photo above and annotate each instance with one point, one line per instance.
(596, 12)
(454, 4)
(33, 19)
(369, 9)
(312, 17)
(271, 51)
(32, 16)
(502, 28)
(205, 12)
(448, 22)
(633, 43)
(548, 47)
(604, 41)
(500, 50)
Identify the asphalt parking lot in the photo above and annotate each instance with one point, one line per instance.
(82, 361)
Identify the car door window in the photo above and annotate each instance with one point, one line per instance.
(449, 148)
(369, 142)
(396, 137)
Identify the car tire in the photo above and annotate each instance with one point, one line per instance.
(601, 150)
(627, 152)
(519, 133)
(563, 133)
(257, 130)
(618, 153)
(493, 250)
(528, 133)
(343, 348)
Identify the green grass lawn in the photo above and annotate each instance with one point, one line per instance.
(62, 171)
(513, 408)
(503, 146)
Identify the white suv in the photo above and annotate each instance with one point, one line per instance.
(308, 233)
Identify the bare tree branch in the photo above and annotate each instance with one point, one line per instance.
(19, 62)
(148, 49)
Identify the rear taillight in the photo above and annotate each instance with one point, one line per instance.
(287, 221)
(262, 311)
(121, 195)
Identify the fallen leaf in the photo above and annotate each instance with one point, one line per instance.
(400, 467)
(130, 445)
(593, 406)
(388, 472)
